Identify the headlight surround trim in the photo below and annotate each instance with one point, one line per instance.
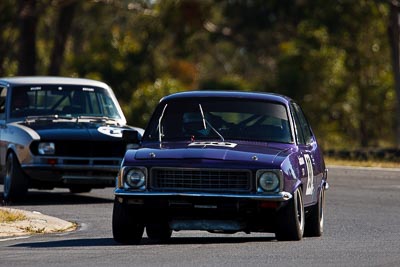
(269, 181)
(46, 148)
(134, 178)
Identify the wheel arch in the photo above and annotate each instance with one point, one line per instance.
(290, 167)
(11, 149)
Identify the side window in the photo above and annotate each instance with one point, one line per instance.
(3, 95)
(108, 107)
(299, 136)
(302, 125)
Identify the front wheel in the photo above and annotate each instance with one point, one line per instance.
(315, 219)
(15, 180)
(291, 219)
(127, 229)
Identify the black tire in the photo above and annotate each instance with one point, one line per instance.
(158, 231)
(291, 219)
(79, 189)
(15, 180)
(315, 219)
(126, 228)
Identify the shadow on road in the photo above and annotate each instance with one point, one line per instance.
(56, 198)
(104, 242)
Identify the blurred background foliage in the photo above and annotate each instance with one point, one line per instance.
(333, 57)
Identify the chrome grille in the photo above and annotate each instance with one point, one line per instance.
(201, 179)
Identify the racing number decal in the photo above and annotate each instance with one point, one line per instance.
(310, 172)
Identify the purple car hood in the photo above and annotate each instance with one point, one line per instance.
(215, 151)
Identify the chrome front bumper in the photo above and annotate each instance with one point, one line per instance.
(277, 197)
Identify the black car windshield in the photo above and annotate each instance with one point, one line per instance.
(220, 120)
(68, 100)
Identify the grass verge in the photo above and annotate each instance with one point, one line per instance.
(7, 216)
(361, 163)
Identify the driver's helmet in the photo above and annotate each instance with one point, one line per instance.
(20, 99)
(193, 124)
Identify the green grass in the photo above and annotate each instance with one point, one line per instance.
(362, 163)
(8, 216)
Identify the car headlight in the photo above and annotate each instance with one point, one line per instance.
(135, 178)
(268, 181)
(46, 148)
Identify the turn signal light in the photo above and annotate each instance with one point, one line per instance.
(268, 205)
(52, 161)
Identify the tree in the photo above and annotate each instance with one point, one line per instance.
(8, 37)
(65, 18)
(329, 55)
(394, 37)
(27, 38)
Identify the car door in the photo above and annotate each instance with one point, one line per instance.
(3, 97)
(309, 155)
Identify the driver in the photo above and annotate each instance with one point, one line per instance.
(20, 100)
(194, 124)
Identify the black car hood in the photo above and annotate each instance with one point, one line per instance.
(72, 130)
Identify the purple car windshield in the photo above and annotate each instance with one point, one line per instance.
(220, 120)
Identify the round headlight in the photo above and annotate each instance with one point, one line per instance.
(46, 148)
(269, 181)
(135, 178)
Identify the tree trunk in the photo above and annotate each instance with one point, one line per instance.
(394, 37)
(62, 31)
(27, 47)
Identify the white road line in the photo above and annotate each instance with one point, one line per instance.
(14, 238)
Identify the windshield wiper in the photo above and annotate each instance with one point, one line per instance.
(160, 134)
(206, 122)
(97, 118)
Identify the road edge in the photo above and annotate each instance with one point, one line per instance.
(34, 224)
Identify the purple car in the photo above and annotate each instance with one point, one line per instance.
(222, 162)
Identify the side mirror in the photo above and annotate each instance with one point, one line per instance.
(131, 136)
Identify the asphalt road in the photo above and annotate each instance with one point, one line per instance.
(362, 228)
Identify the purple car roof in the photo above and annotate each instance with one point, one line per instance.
(229, 94)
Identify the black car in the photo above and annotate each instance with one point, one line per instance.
(59, 132)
